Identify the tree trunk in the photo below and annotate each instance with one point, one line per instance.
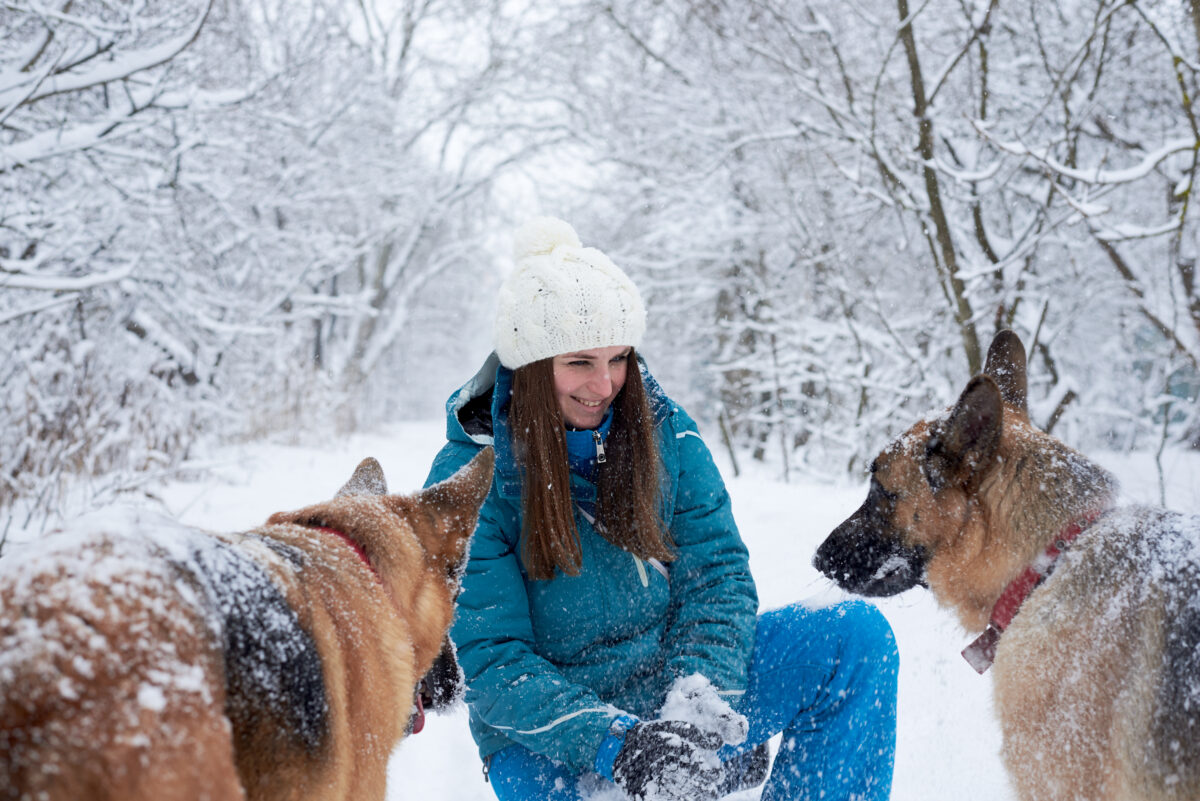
(948, 263)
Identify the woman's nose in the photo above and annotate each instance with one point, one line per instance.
(601, 383)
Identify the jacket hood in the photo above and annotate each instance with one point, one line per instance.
(474, 424)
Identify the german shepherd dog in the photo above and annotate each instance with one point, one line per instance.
(142, 660)
(1091, 612)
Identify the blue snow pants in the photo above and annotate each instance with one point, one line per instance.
(824, 677)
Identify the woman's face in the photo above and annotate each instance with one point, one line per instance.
(585, 383)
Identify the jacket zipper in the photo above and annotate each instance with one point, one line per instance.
(600, 457)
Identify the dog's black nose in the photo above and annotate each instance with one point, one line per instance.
(823, 559)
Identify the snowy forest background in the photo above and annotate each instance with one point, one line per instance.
(228, 219)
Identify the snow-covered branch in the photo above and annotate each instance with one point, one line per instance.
(11, 279)
(1098, 175)
(18, 88)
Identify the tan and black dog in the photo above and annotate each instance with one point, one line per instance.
(142, 660)
(1090, 612)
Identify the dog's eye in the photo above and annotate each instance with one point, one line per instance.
(881, 496)
(934, 464)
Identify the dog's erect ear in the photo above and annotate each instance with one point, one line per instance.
(962, 446)
(367, 480)
(455, 502)
(1006, 365)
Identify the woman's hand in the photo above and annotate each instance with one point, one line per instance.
(669, 760)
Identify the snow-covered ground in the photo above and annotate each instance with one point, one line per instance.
(948, 740)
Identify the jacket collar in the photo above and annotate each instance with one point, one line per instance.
(585, 447)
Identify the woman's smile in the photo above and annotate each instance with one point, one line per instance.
(586, 383)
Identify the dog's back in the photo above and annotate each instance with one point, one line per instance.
(1104, 662)
(1176, 721)
(1176, 725)
(111, 676)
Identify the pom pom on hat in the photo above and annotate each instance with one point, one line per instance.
(562, 297)
(541, 235)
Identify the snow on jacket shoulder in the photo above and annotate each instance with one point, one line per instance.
(549, 664)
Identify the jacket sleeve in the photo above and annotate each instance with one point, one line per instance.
(509, 687)
(714, 604)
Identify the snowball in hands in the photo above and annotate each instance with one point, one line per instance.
(693, 699)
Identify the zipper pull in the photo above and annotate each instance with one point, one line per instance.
(600, 457)
(641, 568)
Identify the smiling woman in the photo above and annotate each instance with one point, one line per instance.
(607, 627)
(585, 413)
(586, 383)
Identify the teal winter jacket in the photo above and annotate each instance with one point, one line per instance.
(549, 664)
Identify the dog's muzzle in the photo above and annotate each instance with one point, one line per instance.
(862, 562)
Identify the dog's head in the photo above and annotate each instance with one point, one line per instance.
(922, 483)
(417, 546)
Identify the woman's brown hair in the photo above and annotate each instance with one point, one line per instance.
(627, 511)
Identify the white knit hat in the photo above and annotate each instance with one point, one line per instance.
(562, 297)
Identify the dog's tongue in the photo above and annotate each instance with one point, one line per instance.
(418, 718)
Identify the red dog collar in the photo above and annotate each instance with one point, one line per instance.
(358, 549)
(982, 652)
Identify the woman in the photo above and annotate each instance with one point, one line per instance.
(607, 572)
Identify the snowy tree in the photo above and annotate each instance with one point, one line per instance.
(233, 217)
(88, 95)
(220, 218)
(838, 204)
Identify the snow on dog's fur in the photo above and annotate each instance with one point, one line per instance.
(143, 660)
(1097, 676)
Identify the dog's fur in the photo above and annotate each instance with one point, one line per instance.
(1097, 679)
(142, 660)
